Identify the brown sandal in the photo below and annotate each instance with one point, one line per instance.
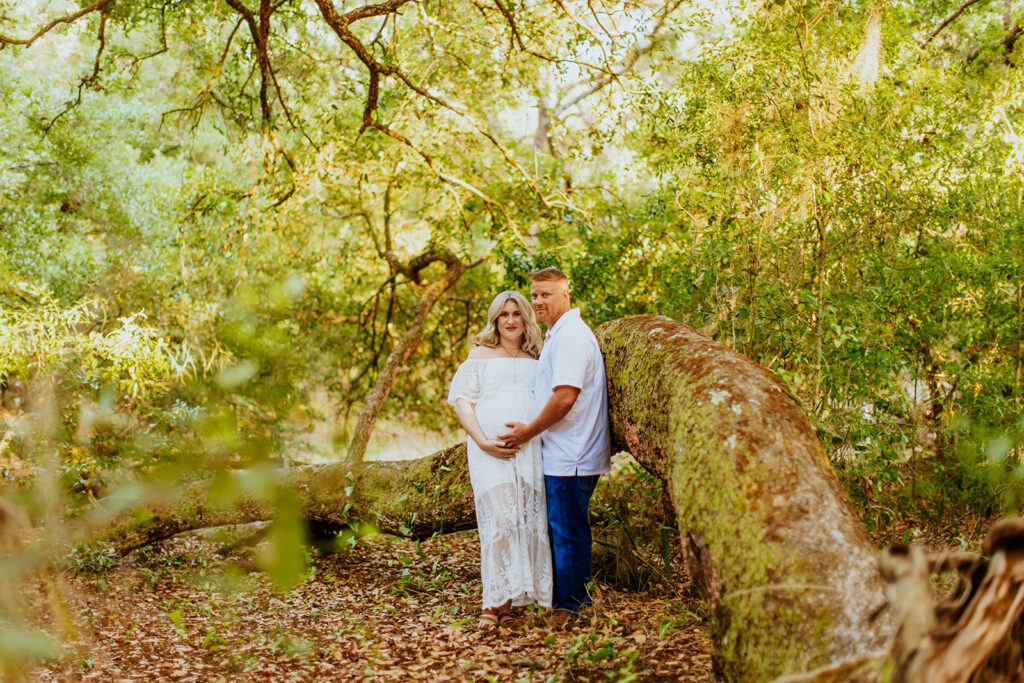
(489, 619)
(505, 617)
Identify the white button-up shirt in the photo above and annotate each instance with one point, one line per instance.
(579, 444)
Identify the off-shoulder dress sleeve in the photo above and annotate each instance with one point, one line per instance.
(467, 383)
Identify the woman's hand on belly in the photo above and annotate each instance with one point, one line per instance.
(498, 450)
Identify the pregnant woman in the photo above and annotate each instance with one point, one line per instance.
(494, 386)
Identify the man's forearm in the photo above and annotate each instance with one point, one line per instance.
(557, 407)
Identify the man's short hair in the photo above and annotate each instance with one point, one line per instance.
(548, 275)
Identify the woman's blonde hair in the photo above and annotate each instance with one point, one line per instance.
(532, 339)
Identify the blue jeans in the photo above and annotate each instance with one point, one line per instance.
(569, 526)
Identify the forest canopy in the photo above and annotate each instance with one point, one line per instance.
(235, 234)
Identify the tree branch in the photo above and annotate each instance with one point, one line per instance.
(266, 75)
(432, 293)
(137, 61)
(511, 20)
(1008, 42)
(624, 66)
(339, 23)
(198, 104)
(86, 81)
(948, 20)
(102, 38)
(387, 214)
(483, 9)
(373, 233)
(479, 129)
(68, 19)
(367, 11)
(223, 57)
(260, 32)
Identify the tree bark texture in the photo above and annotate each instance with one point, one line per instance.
(771, 539)
(412, 498)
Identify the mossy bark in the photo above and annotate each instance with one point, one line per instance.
(415, 498)
(770, 536)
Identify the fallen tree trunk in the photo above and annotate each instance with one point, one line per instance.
(415, 498)
(771, 539)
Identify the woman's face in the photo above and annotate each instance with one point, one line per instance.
(510, 324)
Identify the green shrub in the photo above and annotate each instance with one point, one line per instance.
(634, 533)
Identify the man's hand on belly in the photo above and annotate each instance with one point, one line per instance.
(517, 437)
(557, 407)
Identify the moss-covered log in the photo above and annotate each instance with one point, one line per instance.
(770, 536)
(415, 498)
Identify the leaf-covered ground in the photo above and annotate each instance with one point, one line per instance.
(384, 610)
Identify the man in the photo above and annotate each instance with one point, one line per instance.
(573, 424)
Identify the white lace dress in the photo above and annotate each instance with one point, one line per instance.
(511, 513)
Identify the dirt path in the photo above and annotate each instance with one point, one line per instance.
(384, 610)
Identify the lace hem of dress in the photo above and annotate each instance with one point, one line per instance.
(515, 557)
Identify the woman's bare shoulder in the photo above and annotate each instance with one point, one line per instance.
(482, 353)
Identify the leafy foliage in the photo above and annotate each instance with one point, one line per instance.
(208, 237)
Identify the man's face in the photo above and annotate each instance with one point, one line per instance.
(550, 300)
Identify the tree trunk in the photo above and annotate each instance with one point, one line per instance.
(770, 537)
(411, 498)
(398, 358)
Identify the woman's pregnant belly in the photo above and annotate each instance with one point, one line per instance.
(492, 413)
